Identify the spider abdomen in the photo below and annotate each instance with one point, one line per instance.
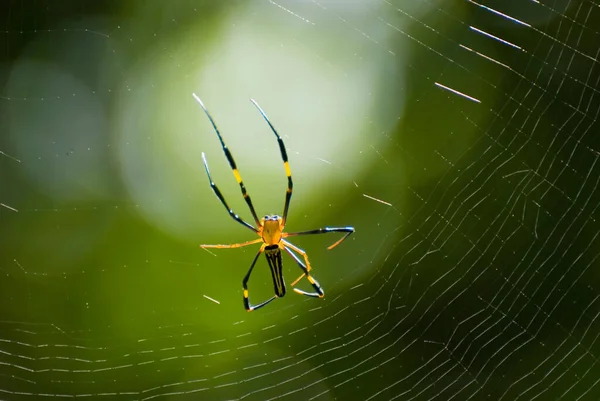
(273, 255)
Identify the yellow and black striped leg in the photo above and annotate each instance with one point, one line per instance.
(326, 230)
(222, 199)
(247, 304)
(231, 161)
(319, 291)
(286, 164)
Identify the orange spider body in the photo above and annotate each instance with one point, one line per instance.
(271, 230)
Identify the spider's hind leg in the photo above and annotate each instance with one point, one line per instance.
(319, 293)
(249, 307)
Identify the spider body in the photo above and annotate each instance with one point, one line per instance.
(269, 228)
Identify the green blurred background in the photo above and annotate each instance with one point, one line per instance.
(471, 274)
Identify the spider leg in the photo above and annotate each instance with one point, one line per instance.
(249, 307)
(222, 199)
(319, 291)
(233, 166)
(304, 255)
(326, 230)
(286, 165)
(241, 244)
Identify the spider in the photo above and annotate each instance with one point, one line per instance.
(269, 228)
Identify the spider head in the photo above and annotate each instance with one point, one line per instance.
(272, 226)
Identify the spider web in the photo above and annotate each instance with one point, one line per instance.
(458, 138)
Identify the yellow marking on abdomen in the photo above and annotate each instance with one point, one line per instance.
(288, 172)
(237, 175)
(245, 293)
(310, 279)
